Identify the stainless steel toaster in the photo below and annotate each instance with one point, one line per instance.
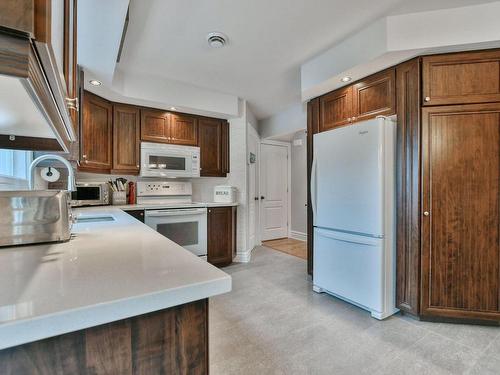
(34, 216)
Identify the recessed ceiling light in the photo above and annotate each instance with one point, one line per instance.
(95, 82)
(173, 109)
(346, 79)
(216, 40)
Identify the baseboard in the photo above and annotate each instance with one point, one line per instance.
(298, 235)
(243, 257)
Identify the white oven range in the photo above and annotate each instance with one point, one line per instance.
(177, 217)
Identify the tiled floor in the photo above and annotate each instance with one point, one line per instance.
(272, 323)
(289, 245)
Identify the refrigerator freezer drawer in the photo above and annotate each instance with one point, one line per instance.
(350, 267)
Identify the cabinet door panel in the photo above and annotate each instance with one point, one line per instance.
(374, 96)
(460, 236)
(210, 143)
(154, 125)
(183, 129)
(335, 109)
(96, 133)
(126, 132)
(221, 238)
(472, 77)
(408, 187)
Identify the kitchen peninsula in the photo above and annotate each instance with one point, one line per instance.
(117, 298)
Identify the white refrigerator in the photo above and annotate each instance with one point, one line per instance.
(353, 204)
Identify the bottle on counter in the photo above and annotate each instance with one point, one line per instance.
(131, 192)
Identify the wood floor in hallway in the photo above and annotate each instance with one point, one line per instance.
(289, 246)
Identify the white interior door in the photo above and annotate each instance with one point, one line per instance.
(253, 188)
(274, 191)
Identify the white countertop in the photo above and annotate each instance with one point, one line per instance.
(110, 271)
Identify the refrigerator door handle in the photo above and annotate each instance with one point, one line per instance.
(313, 187)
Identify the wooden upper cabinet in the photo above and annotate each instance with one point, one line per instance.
(225, 147)
(221, 223)
(96, 134)
(461, 217)
(183, 129)
(461, 78)
(336, 109)
(154, 125)
(210, 141)
(126, 139)
(374, 96)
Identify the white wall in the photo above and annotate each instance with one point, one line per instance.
(203, 187)
(299, 183)
(292, 119)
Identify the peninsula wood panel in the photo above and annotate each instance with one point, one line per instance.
(312, 128)
(460, 236)
(408, 186)
(221, 235)
(336, 109)
(374, 96)
(183, 129)
(171, 341)
(126, 139)
(461, 78)
(154, 125)
(96, 134)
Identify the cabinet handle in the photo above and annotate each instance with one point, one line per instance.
(72, 103)
(427, 99)
(426, 213)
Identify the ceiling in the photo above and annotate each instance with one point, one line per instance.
(268, 41)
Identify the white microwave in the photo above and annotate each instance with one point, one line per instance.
(171, 161)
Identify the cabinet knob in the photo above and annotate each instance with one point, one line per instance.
(426, 213)
(427, 99)
(353, 119)
(349, 119)
(138, 166)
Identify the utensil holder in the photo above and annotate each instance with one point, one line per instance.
(119, 198)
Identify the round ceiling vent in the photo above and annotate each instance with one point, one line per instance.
(216, 40)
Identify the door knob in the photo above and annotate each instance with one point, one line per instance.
(426, 213)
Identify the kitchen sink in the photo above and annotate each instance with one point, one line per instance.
(94, 219)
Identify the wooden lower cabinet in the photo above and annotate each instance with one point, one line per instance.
(126, 139)
(460, 212)
(96, 134)
(171, 341)
(221, 235)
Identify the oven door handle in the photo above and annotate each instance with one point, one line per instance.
(160, 213)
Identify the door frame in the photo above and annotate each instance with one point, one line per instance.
(251, 132)
(289, 183)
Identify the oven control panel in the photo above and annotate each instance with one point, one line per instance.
(163, 188)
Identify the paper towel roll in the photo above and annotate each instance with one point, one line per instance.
(50, 174)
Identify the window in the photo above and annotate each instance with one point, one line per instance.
(14, 168)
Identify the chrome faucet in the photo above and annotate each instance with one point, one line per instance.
(71, 173)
